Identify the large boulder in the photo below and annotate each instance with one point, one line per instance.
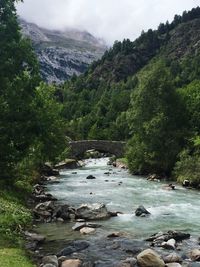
(149, 258)
(141, 211)
(74, 246)
(92, 211)
(67, 164)
(87, 230)
(195, 255)
(48, 170)
(71, 263)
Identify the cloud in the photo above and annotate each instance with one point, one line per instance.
(108, 19)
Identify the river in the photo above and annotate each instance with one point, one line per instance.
(170, 210)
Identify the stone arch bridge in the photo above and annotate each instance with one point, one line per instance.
(116, 148)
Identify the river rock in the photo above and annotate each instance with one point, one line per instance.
(78, 226)
(71, 263)
(45, 197)
(141, 211)
(173, 257)
(48, 265)
(173, 264)
(170, 244)
(130, 262)
(90, 177)
(53, 260)
(92, 211)
(35, 237)
(153, 177)
(87, 230)
(186, 183)
(74, 246)
(63, 211)
(158, 238)
(67, 164)
(195, 255)
(149, 258)
(48, 170)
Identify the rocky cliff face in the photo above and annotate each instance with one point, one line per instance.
(62, 54)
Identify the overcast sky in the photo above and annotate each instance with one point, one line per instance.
(109, 19)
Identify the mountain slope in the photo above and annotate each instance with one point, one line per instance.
(62, 54)
(96, 102)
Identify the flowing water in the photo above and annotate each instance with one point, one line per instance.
(170, 210)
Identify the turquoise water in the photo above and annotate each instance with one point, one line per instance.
(170, 210)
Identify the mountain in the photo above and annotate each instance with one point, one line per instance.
(63, 53)
(95, 102)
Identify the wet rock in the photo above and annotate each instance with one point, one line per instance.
(78, 226)
(52, 260)
(92, 211)
(34, 237)
(114, 235)
(140, 211)
(67, 164)
(195, 255)
(149, 258)
(44, 210)
(60, 220)
(38, 189)
(114, 213)
(90, 177)
(71, 263)
(44, 198)
(81, 225)
(48, 265)
(87, 230)
(48, 170)
(130, 262)
(173, 257)
(169, 187)
(63, 212)
(186, 183)
(174, 264)
(158, 238)
(153, 177)
(74, 246)
(170, 244)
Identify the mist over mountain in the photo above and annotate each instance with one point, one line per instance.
(63, 53)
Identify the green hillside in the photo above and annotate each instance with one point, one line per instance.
(145, 92)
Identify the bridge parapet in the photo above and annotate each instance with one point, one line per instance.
(116, 148)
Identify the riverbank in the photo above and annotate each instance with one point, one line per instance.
(14, 217)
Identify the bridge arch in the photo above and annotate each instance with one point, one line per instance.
(116, 148)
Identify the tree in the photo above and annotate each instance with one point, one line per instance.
(19, 76)
(157, 123)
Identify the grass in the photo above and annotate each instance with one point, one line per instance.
(14, 217)
(123, 161)
(14, 257)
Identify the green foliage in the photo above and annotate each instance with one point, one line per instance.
(157, 121)
(188, 168)
(13, 217)
(32, 130)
